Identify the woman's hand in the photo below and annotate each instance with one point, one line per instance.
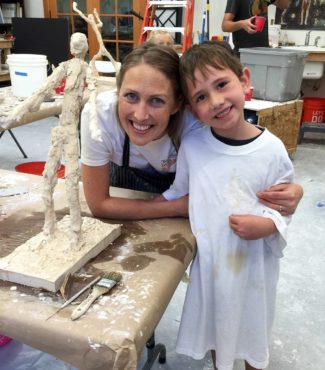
(283, 198)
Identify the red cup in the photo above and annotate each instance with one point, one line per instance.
(259, 23)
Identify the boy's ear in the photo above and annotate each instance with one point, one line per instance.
(245, 79)
(178, 104)
(189, 108)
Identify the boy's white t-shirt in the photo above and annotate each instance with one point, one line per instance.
(159, 154)
(230, 300)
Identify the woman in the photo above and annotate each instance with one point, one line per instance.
(141, 127)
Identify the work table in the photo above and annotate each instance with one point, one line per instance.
(151, 255)
(315, 54)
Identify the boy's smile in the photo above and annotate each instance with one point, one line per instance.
(217, 98)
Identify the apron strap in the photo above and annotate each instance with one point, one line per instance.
(126, 151)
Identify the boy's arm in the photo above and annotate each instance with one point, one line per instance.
(269, 223)
(180, 187)
(252, 227)
(271, 226)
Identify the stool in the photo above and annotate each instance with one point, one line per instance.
(309, 127)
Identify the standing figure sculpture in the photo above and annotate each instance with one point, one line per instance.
(304, 12)
(64, 137)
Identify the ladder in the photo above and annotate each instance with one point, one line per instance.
(150, 20)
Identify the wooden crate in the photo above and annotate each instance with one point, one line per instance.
(283, 121)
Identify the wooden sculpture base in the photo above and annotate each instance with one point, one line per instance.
(42, 263)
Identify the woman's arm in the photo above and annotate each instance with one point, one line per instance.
(229, 25)
(96, 188)
(283, 198)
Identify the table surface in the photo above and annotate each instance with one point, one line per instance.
(258, 105)
(8, 101)
(152, 256)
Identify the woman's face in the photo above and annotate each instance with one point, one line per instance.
(145, 103)
(164, 39)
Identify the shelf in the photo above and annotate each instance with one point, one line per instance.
(5, 46)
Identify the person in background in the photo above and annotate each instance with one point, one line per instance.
(161, 37)
(230, 301)
(142, 123)
(239, 19)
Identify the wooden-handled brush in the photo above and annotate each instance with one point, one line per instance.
(103, 286)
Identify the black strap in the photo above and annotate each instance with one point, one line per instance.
(126, 151)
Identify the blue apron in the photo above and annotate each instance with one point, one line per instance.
(133, 178)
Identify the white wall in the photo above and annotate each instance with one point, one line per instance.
(217, 10)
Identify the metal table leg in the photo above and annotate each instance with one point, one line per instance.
(154, 351)
(16, 141)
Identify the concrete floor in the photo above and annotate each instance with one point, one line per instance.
(298, 339)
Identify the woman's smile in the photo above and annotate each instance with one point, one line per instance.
(140, 127)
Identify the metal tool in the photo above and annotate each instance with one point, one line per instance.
(65, 304)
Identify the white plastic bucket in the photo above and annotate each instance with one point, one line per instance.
(27, 73)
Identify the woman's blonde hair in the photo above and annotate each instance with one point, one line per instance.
(154, 35)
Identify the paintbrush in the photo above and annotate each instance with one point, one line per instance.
(103, 286)
(75, 296)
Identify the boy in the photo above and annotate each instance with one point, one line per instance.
(229, 306)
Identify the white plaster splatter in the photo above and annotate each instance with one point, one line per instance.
(93, 345)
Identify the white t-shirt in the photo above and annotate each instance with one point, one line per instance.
(230, 300)
(159, 154)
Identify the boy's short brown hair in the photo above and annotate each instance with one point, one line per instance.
(215, 54)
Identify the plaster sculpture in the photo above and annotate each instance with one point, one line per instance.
(67, 245)
(64, 137)
(96, 24)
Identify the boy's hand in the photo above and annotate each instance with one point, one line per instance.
(251, 227)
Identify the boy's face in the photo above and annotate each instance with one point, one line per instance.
(218, 99)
